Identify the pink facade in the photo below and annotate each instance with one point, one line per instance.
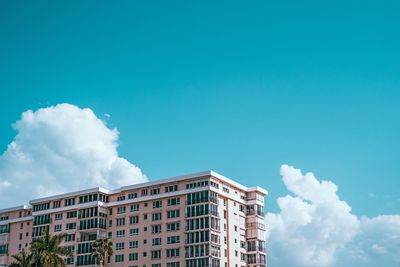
(203, 219)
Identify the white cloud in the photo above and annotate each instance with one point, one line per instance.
(59, 149)
(377, 243)
(316, 228)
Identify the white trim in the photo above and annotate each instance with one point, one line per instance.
(209, 173)
(22, 207)
(71, 194)
(257, 188)
(22, 219)
(155, 197)
(72, 207)
(236, 184)
(162, 181)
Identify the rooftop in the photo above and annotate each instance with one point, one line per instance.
(151, 183)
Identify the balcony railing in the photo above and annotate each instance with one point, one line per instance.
(252, 212)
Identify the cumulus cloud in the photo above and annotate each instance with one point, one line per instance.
(59, 149)
(377, 243)
(315, 228)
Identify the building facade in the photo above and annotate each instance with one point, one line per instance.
(202, 219)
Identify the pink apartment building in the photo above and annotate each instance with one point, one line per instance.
(202, 219)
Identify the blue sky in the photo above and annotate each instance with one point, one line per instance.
(237, 87)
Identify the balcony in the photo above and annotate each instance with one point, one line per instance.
(252, 212)
(42, 222)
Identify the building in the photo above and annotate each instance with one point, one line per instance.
(202, 219)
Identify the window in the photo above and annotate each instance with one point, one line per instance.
(177, 264)
(119, 258)
(119, 246)
(201, 197)
(132, 195)
(135, 207)
(156, 228)
(88, 198)
(3, 249)
(173, 239)
(155, 191)
(172, 214)
(215, 238)
(174, 201)
(134, 219)
(57, 228)
(120, 221)
(157, 204)
(196, 184)
(242, 256)
(241, 208)
(156, 216)
(156, 254)
(144, 192)
(156, 241)
(133, 244)
(171, 188)
(121, 210)
(255, 209)
(69, 261)
(203, 209)
(214, 184)
(43, 206)
(133, 257)
(251, 258)
(85, 260)
(173, 227)
(56, 204)
(121, 198)
(134, 231)
(69, 238)
(202, 223)
(72, 214)
(121, 233)
(70, 226)
(197, 237)
(174, 252)
(88, 212)
(41, 219)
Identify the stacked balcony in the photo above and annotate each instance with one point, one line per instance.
(202, 227)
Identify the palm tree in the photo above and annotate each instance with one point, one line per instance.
(102, 248)
(23, 259)
(48, 252)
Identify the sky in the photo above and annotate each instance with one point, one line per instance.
(96, 92)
